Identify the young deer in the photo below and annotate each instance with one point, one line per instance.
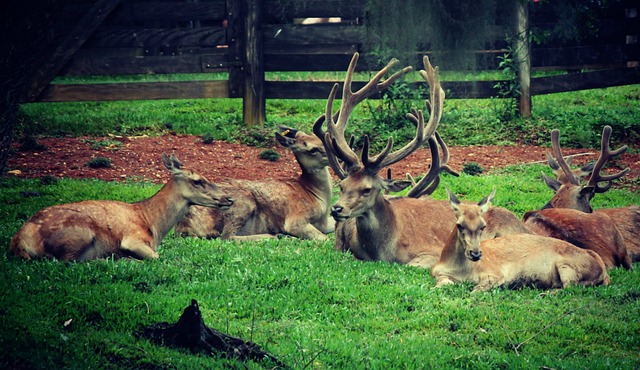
(569, 193)
(100, 228)
(370, 225)
(263, 209)
(513, 260)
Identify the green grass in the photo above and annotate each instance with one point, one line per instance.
(310, 306)
(464, 121)
(307, 304)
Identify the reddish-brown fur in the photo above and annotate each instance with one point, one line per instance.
(592, 231)
(101, 228)
(569, 193)
(514, 260)
(298, 207)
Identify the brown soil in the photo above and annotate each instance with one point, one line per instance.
(138, 158)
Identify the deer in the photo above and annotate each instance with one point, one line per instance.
(500, 221)
(93, 229)
(514, 260)
(297, 207)
(371, 226)
(570, 194)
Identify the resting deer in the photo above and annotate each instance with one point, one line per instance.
(500, 221)
(513, 260)
(570, 194)
(101, 228)
(297, 207)
(370, 225)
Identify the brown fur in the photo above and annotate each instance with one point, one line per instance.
(514, 260)
(593, 231)
(627, 220)
(297, 207)
(101, 228)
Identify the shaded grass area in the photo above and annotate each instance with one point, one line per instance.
(307, 304)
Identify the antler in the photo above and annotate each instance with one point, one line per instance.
(423, 132)
(605, 155)
(569, 177)
(334, 139)
(429, 183)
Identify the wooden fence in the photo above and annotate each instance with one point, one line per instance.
(246, 38)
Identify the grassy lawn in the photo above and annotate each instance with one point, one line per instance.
(302, 301)
(310, 306)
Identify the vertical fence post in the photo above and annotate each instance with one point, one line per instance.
(253, 103)
(523, 57)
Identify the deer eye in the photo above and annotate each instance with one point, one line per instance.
(366, 191)
(198, 183)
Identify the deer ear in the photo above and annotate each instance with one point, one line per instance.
(453, 200)
(396, 185)
(551, 182)
(485, 203)
(172, 163)
(284, 140)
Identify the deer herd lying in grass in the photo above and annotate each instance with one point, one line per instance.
(565, 243)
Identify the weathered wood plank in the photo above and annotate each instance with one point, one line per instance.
(125, 65)
(275, 36)
(253, 102)
(585, 81)
(136, 91)
(46, 72)
(130, 12)
(277, 10)
(160, 38)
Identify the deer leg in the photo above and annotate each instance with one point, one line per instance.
(307, 231)
(424, 261)
(488, 282)
(442, 280)
(138, 248)
(568, 275)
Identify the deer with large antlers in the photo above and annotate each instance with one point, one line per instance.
(101, 228)
(296, 207)
(514, 260)
(614, 233)
(369, 225)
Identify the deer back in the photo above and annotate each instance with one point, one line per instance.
(627, 221)
(593, 231)
(93, 229)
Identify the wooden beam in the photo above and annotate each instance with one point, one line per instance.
(136, 91)
(254, 111)
(523, 57)
(65, 50)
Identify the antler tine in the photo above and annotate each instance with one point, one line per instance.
(349, 102)
(555, 144)
(605, 155)
(428, 184)
(328, 147)
(423, 132)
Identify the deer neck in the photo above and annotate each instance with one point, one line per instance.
(453, 251)
(317, 182)
(163, 210)
(375, 229)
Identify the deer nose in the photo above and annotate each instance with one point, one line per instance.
(475, 255)
(336, 210)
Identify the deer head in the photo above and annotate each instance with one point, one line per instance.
(569, 193)
(308, 149)
(361, 186)
(196, 189)
(470, 224)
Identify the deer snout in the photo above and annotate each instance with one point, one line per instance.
(336, 213)
(225, 203)
(475, 255)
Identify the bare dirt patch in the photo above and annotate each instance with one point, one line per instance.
(138, 158)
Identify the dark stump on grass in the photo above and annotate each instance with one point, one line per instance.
(191, 332)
